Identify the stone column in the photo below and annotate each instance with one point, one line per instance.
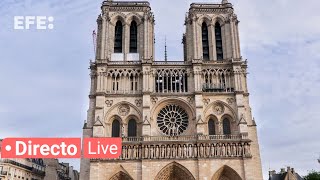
(233, 43)
(212, 43)
(237, 39)
(194, 35)
(146, 126)
(103, 38)
(213, 39)
(85, 163)
(126, 44)
(224, 40)
(145, 39)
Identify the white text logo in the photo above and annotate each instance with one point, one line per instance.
(33, 22)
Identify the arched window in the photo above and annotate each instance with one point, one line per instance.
(118, 38)
(133, 37)
(211, 127)
(205, 41)
(132, 128)
(115, 128)
(218, 41)
(115, 82)
(226, 126)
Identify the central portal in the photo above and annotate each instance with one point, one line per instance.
(174, 171)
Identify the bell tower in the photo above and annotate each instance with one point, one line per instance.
(125, 31)
(212, 45)
(212, 35)
(124, 51)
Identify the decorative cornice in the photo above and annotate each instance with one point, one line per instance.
(212, 10)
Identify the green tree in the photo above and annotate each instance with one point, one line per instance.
(313, 175)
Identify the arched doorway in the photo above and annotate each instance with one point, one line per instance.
(121, 176)
(226, 173)
(174, 171)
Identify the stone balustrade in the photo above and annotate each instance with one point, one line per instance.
(186, 138)
(171, 63)
(185, 147)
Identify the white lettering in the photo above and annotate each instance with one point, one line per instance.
(23, 150)
(41, 22)
(113, 148)
(55, 153)
(44, 150)
(29, 20)
(105, 150)
(75, 150)
(89, 145)
(63, 147)
(35, 150)
(18, 21)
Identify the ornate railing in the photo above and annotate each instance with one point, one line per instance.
(127, 3)
(186, 150)
(185, 138)
(211, 87)
(171, 63)
(185, 147)
(124, 62)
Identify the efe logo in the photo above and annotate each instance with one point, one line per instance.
(37, 22)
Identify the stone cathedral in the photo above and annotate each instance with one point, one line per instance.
(179, 120)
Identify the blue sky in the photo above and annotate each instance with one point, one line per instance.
(44, 75)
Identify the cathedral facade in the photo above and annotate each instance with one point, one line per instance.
(179, 120)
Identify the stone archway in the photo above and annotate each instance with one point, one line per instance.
(226, 173)
(174, 171)
(121, 176)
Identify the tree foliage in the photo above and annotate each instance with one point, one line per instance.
(313, 175)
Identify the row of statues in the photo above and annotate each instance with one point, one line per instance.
(185, 150)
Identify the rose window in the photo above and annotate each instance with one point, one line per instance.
(172, 120)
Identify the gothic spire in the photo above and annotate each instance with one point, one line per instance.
(165, 49)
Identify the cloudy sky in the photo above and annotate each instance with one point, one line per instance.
(44, 75)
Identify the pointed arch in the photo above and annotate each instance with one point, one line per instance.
(133, 16)
(212, 126)
(220, 19)
(228, 109)
(113, 112)
(118, 16)
(132, 128)
(226, 173)
(218, 36)
(118, 37)
(133, 37)
(121, 176)
(226, 126)
(175, 171)
(116, 128)
(205, 41)
(205, 18)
